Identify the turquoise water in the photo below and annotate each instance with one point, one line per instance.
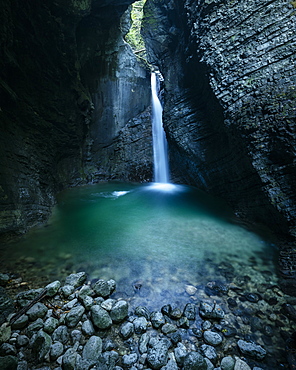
(142, 235)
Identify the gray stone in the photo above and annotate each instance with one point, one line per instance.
(76, 336)
(67, 290)
(41, 345)
(35, 326)
(22, 340)
(194, 361)
(74, 316)
(129, 360)
(69, 305)
(8, 363)
(142, 311)
(210, 366)
(85, 291)
(69, 359)
(4, 278)
(212, 338)
(92, 348)
(108, 304)
(56, 350)
(52, 288)
(87, 302)
(190, 311)
(50, 325)
(180, 354)
(26, 297)
(211, 311)
(158, 353)
(39, 310)
(100, 317)
(61, 334)
(108, 360)
(209, 352)
(183, 322)
(157, 319)
(251, 349)
(241, 365)
(7, 349)
(76, 280)
(143, 343)
(168, 328)
(227, 363)
(127, 330)
(22, 365)
(104, 288)
(5, 332)
(171, 364)
(119, 311)
(87, 328)
(140, 325)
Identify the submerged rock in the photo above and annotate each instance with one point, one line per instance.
(251, 349)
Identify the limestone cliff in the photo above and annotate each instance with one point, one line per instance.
(230, 89)
(67, 95)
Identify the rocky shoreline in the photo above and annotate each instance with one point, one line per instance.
(83, 325)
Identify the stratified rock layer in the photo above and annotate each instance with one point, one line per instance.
(69, 86)
(229, 112)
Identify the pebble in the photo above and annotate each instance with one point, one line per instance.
(75, 339)
(56, 350)
(190, 289)
(129, 360)
(193, 361)
(212, 338)
(100, 317)
(227, 363)
(209, 352)
(87, 328)
(140, 325)
(157, 319)
(168, 328)
(190, 311)
(119, 311)
(67, 290)
(251, 349)
(211, 311)
(93, 348)
(50, 325)
(74, 316)
(53, 288)
(158, 353)
(127, 330)
(76, 280)
(241, 365)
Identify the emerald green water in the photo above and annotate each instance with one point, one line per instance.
(141, 235)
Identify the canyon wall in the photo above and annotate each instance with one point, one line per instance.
(229, 113)
(74, 104)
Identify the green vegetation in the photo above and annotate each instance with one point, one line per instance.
(134, 37)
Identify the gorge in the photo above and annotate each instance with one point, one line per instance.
(75, 106)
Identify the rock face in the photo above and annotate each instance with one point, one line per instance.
(229, 113)
(74, 100)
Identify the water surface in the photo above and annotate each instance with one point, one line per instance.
(153, 240)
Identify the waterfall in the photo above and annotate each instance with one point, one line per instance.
(161, 167)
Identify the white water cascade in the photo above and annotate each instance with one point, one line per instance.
(161, 167)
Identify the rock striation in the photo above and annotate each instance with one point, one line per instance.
(74, 102)
(229, 110)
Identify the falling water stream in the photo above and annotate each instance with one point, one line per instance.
(161, 167)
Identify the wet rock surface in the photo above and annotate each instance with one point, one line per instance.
(74, 103)
(229, 104)
(137, 339)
